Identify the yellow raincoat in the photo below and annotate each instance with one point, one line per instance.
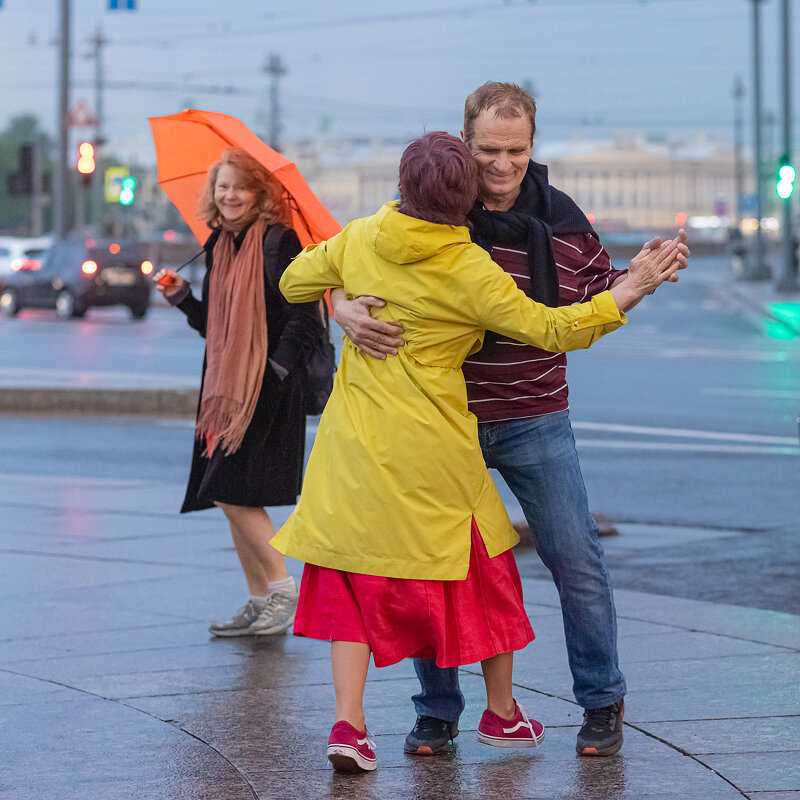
(396, 472)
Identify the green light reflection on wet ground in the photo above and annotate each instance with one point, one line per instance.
(787, 330)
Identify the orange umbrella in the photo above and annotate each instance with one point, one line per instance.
(187, 144)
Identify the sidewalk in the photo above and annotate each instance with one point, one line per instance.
(111, 688)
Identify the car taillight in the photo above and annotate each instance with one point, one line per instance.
(147, 267)
(25, 263)
(89, 267)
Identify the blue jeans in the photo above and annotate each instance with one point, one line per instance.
(538, 461)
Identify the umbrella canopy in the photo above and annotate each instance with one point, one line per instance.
(187, 144)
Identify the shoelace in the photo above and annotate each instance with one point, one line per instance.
(274, 600)
(429, 727)
(527, 721)
(600, 716)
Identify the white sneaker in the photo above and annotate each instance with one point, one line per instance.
(240, 624)
(277, 615)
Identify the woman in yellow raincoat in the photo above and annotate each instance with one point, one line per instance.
(406, 540)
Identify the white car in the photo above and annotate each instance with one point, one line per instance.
(17, 253)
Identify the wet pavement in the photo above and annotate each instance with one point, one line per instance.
(111, 688)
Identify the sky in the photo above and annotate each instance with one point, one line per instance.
(373, 68)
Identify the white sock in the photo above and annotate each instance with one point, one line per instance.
(258, 601)
(283, 586)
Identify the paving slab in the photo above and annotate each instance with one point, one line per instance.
(84, 750)
(108, 674)
(715, 737)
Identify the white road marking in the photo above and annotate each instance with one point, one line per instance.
(615, 444)
(684, 433)
(40, 377)
(777, 394)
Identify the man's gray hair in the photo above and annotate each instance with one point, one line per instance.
(507, 100)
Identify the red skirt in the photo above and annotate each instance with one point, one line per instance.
(455, 622)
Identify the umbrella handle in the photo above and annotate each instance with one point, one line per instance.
(193, 258)
(166, 280)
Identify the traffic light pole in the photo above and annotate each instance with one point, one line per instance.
(788, 282)
(757, 270)
(61, 175)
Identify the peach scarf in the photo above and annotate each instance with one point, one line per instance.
(236, 341)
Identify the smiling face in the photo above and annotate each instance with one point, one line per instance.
(232, 196)
(502, 149)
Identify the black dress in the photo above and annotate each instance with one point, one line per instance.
(267, 469)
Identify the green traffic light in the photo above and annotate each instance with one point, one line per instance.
(784, 189)
(126, 193)
(786, 175)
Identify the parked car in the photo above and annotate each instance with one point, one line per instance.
(77, 276)
(18, 252)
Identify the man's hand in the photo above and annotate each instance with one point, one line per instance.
(651, 267)
(653, 252)
(373, 337)
(682, 253)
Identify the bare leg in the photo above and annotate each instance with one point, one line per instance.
(350, 662)
(252, 529)
(497, 672)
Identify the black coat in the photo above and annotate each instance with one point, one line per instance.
(267, 469)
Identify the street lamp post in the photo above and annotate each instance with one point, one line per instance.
(61, 168)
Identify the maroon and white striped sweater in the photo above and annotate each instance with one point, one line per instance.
(510, 380)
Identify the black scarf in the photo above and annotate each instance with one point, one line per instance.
(538, 212)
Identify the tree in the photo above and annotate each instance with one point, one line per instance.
(15, 210)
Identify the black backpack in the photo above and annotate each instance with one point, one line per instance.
(321, 363)
(320, 367)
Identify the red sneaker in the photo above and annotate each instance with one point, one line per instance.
(518, 732)
(350, 750)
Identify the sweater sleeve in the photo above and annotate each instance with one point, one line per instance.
(195, 310)
(195, 313)
(304, 324)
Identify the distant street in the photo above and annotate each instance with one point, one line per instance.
(685, 422)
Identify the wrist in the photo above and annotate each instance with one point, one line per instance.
(626, 295)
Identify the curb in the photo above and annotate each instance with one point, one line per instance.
(120, 402)
(763, 307)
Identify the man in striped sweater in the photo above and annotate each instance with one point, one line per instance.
(519, 395)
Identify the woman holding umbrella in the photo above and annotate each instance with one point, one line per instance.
(250, 429)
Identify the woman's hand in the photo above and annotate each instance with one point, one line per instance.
(168, 282)
(373, 337)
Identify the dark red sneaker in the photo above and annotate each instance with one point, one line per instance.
(350, 750)
(518, 732)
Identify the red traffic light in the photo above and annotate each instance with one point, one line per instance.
(86, 164)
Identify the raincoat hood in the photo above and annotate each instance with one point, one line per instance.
(405, 240)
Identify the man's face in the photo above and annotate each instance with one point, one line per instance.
(502, 149)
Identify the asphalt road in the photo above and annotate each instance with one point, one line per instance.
(685, 421)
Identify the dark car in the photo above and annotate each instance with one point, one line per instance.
(76, 276)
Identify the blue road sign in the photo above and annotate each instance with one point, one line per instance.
(114, 5)
(747, 203)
